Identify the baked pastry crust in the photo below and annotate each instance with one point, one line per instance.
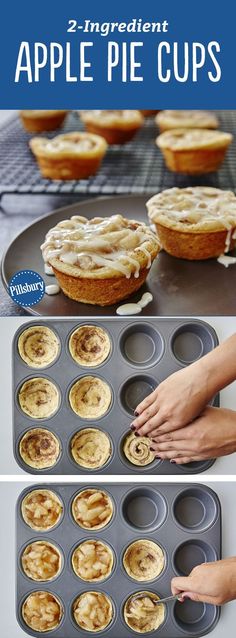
(89, 345)
(39, 398)
(39, 448)
(90, 397)
(41, 561)
(91, 448)
(137, 450)
(194, 151)
(93, 561)
(40, 121)
(41, 510)
(149, 113)
(38, 346)
(92, 509)
(167, 120)
(42, 611)
(195, 222)
(93, 611)
(101, 260)
(143, 615)
(73, 155)
(117, 126)
(144, 560)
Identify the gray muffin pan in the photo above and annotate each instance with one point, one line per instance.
(185, 520)
(143, 353)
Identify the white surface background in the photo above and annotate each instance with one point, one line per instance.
(224, 326)
(9, 493)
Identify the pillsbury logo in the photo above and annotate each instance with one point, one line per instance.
(26, 288)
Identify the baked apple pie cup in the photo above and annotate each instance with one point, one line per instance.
(70, 156)
(196, 222)
(100, 261)
(194, 151)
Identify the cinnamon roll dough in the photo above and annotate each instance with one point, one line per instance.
(41, 510)
(39, 448)
(89, 345)
(41, 561)
(38, 346)
(137, 450)
(92, 509)
(42, 611)
(90, 397)
(93, 611)
(91, 448)
(39, 398)
(143, 560)
(143, 615)
(93, 561)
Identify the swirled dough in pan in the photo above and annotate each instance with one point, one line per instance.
(143, 560)
(39, 398)
(93, 611)
(41, 561)
(137, 450)
(91, 448)
(92, 509)
(90, 397)
(38, 346)
(142, 615)
(39, 448)
(93, 561)
(89, 345)
(42, 611)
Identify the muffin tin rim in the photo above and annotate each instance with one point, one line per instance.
(213, 496)
(135, 489)
(145, 366)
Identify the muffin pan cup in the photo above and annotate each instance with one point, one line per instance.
(119, 534)
(143, 353)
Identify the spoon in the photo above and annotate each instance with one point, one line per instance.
(161, 600)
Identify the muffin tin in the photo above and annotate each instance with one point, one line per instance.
(185, 520)
(143, 353)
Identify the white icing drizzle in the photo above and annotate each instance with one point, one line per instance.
(228, 240)
(52, 289)
(200, 206)
(111, 242)
(226, 260)
(135, 308)
(48, 270)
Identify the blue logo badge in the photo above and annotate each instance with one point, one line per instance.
(26, 288)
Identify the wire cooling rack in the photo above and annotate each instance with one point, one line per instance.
(137, 167)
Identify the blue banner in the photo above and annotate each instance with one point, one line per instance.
(125, 55)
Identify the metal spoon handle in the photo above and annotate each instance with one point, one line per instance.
(166, 600)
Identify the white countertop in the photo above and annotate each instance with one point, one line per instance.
(9, 493)
(224, 326)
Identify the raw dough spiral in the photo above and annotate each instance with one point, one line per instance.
(91, 448)
(90, 397)
(39, 448)
(89, 345)
(39, 398)
(38, 346)
(143, 560)
(137, 450)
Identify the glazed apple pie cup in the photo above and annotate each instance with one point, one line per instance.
(196, 222)
(102, 260)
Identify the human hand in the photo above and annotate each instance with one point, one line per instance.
(213, 583)
(175, 402)
(211, 435)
